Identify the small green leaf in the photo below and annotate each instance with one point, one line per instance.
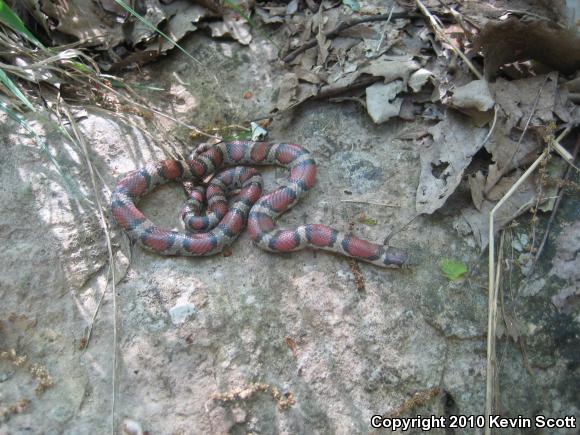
(369, 221)
(353, 4)
(9, 18)
(452, 269)
(242, 135)
(6, 81)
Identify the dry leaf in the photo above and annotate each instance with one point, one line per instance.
(418, 79)
(140, 31)
(507, 153)
(232, 25)
(82, 19)
(268, 18)
(323, 44)
(515, 40)
(182, 18)
(444, 159)
(474, 95)
(518, 203)
(381, 102)
(517, 98)
(477, 188)
(390, 69)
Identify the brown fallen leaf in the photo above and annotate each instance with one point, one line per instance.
(521, 201)
(444, 158)
(83, 20)
(524, 105)
(515, 40)
(232, 25)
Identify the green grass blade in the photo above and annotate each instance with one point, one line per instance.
(9, 18)
(6, 81)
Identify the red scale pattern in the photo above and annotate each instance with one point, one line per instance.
(126, 215)
(287, 153)
(260, 151)
(321, 235)
(171, 169)
(215, 156)
(286, 241)
(306, 173)
(361, 248)
(135, 184)
(158, 239)
(234, 222)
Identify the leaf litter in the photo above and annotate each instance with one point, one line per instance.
(396, 60)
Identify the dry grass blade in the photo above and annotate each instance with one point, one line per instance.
(492, 295)
(103, 220)
(361, 201)
(556, 206)
(42, 145)
(155, 111)
(492, 287)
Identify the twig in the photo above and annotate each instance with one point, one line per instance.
(556, 206)
(332, 92)
(441, 34)
(492, 128)
(460, 19)
(341, 27)
(358, 201)
(563, 152)
(390, 236)
(384, 33)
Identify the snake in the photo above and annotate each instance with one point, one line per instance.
(211, 233)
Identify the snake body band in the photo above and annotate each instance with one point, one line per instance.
(222, 225)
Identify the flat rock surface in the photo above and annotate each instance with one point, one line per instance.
(191, 328)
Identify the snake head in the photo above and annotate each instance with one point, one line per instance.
(395, 257)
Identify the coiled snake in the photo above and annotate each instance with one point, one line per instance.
(221, 226)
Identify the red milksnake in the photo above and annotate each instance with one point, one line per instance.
(223, 225)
